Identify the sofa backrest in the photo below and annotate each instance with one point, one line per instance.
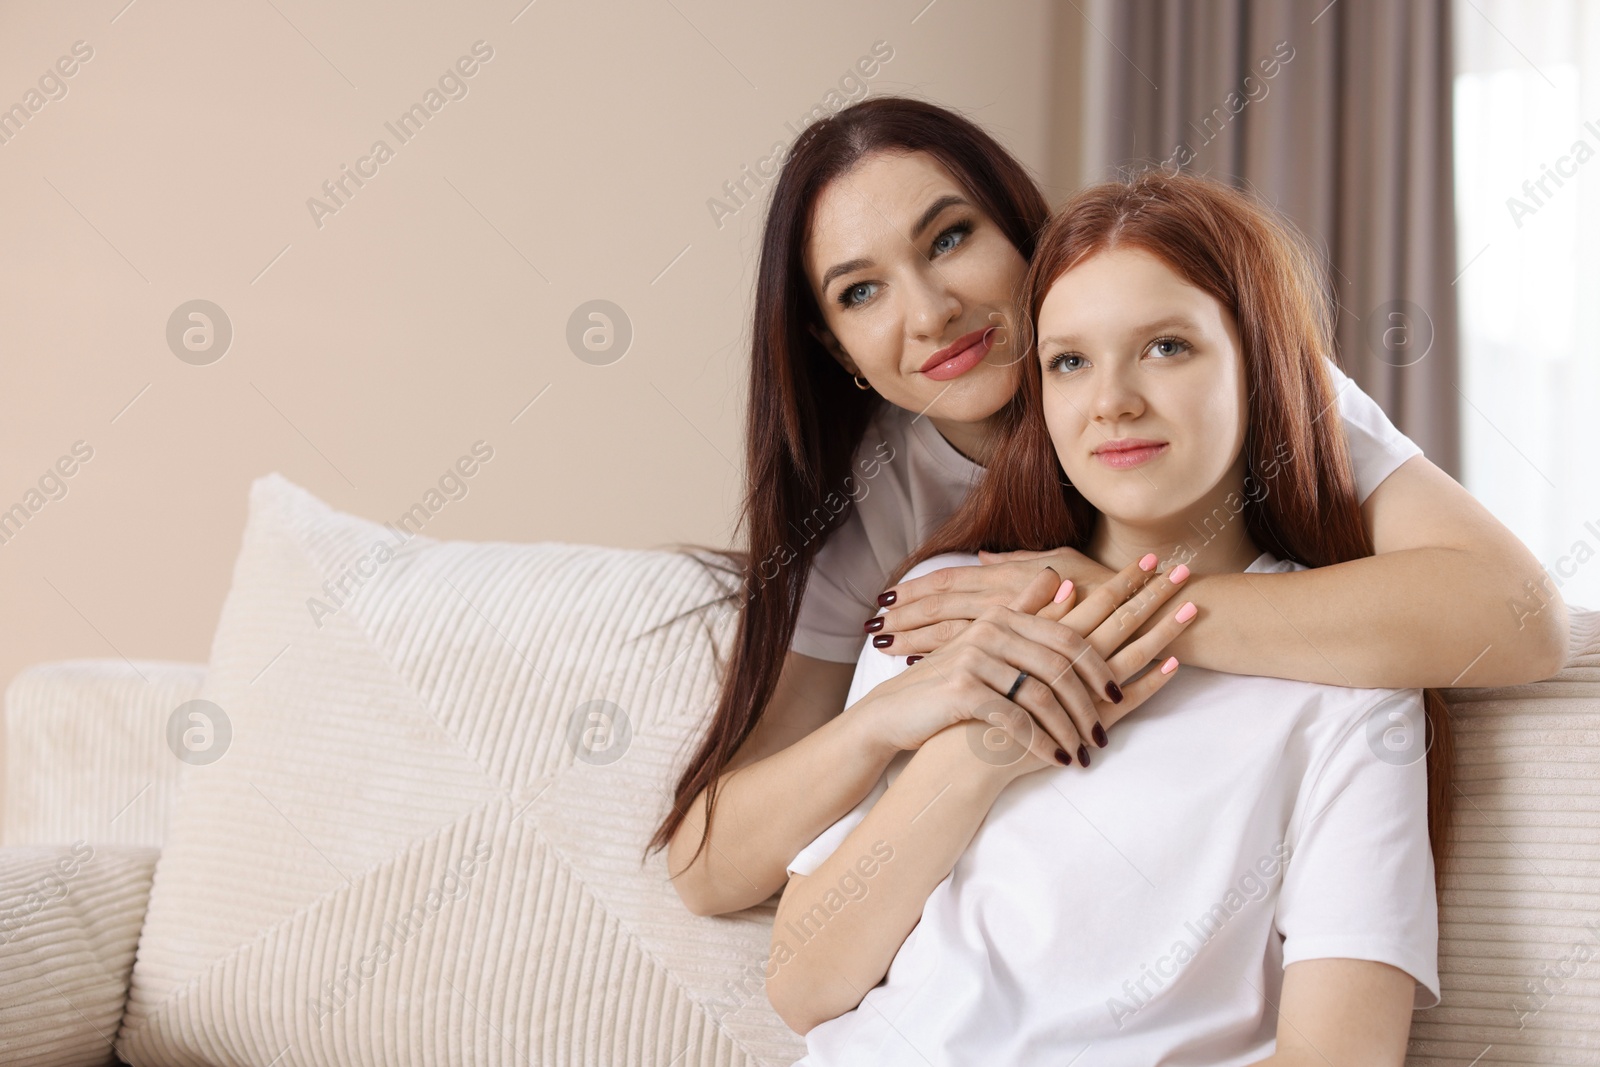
(86, 751)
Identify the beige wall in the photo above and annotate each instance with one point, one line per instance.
(373, 346)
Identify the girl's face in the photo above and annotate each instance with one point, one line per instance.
(905, 267)
(1144, 392)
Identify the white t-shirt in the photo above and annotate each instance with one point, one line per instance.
(924, 479)
(1142, 910)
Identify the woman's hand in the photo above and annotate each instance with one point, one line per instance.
(1072, 691)
(929, 611)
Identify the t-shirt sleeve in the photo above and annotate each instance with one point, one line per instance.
(840, 595)
(1376, 448)
(1359, 882)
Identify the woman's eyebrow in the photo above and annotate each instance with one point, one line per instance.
(948, 200)
(932, 213)
(843, 268)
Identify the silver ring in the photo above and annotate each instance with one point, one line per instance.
(1016, 684)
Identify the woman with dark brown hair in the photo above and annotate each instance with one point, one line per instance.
(1251, 879)
(896, 236)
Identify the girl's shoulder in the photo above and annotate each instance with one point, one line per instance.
(941, 561)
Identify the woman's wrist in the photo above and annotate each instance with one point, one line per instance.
(960, 747)
(861, 723)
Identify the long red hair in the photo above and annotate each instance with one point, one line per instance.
(1261, 269)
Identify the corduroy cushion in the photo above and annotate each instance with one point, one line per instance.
(422, 843)
(69, 920)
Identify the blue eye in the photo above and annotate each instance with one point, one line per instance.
(1177, 345)
(848, 297)
(955, 235)
(1057, 360)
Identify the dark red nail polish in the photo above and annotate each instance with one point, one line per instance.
(872, 626)
(1083, 755)
(883, 641)
(1114, 692)
(885, 599)
(1099, 734)
(912, 659)
(1062, 757)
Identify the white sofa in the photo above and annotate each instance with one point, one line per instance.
(415, 833)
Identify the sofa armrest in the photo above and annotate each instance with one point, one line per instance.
(86, 751)
(70, 917)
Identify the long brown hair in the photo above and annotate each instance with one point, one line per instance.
(1261, 269)
(805, 417)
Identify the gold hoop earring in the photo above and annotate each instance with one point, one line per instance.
(861, 383)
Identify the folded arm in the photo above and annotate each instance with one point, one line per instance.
(837, 930)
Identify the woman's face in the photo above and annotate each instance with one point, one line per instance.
(905, 267)
(1133, 355)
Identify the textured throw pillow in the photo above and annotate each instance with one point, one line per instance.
(69, 920)
(411, 821)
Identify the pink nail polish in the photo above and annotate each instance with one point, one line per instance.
(1186, 612)
(1170, 666)
(1148, 563)
(1065, 591)
(1179, 573)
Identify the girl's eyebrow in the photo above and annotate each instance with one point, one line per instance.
(1169, 322)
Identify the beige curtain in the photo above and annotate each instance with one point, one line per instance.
(1337, 113)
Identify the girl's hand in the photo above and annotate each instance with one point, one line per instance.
(929, 611)
(1072, 692)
